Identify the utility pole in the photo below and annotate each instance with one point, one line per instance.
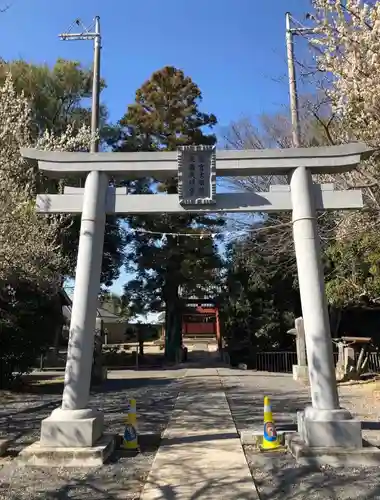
(324, 392)
(90, 33)
(294, 109)
(293, 94)
(90, 251)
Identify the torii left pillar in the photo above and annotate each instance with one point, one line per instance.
(73, 434)
(74, 424)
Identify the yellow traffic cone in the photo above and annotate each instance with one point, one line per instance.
(270, 437)
(130, 441)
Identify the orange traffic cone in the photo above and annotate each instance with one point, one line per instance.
(270, 437)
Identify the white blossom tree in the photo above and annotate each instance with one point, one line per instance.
(27, 240)
(347, 36)
(346, 47)
(347, 42)
(31, 262)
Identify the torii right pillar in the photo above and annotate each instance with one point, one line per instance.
(324, 424)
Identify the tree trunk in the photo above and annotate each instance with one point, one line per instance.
(141, 348)
(57, 338)
(97, 364)
(173, 322)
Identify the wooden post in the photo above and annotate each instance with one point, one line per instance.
(217, 327)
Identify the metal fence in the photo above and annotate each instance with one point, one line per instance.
(282, 362)
(374, 362)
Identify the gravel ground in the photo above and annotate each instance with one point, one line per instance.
(11, 403)
(20, 416)
(121, 478)
(364, 402)
(278, 476)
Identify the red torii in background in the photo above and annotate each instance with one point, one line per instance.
(202, 328)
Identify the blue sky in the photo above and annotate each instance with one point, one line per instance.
(233, 49)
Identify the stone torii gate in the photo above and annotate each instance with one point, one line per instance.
(324, 423)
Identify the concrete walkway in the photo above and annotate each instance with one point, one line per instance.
(201, 456)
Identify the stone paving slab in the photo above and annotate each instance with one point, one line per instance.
(201, 455)
(37, 455)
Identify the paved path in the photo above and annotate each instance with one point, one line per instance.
(201, 456)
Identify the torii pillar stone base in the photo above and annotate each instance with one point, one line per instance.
(72, 428)
(329, 428)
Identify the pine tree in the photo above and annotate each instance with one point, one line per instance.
(166, 115)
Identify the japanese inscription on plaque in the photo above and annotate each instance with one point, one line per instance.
(196, 175)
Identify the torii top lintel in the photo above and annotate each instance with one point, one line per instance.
(321, 160)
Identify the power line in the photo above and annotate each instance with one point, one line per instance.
(206, 234)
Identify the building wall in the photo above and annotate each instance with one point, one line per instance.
(115, 333)
(199, 328)
(120, 333)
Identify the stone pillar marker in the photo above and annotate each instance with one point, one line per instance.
(99, 372)
(300, 370)
(300, 340)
